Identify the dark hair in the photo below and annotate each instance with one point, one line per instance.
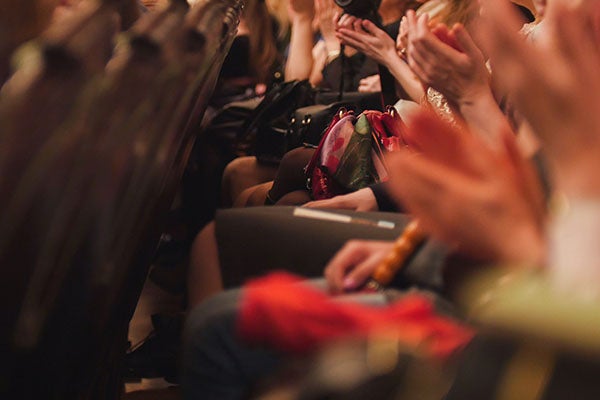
(263, 47)
(360, 8)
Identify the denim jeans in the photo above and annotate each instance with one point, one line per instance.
(218, 365)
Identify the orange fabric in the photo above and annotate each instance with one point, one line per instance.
(297, 318)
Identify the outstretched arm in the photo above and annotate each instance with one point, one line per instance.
(300, 58)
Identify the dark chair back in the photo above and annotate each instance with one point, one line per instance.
(90, 161)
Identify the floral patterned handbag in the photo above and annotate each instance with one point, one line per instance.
(350, 155)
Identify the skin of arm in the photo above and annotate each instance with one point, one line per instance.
(406, 78)
(329, 47)
(319, 53)
(328, 13)
(300, 59)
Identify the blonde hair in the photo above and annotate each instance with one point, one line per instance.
(458, 12)
(393, 10)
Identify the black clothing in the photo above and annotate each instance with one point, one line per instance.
(384, 201)
(237, 62)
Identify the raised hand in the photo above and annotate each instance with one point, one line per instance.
(367, 38)
(327, 12)
(364, 36)
(554, 83)
(446, 59)
(484, 202)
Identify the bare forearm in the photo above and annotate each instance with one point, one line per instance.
(406, 78)
(300, 59)
(484, 117)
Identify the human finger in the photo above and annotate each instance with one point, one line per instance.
(442, 32)
(430, 191)
(442, 48)
(411, 22)
(401, 39)
(351, 254)
(336, 18)
(363, 86)
(564, 28)
(328, 203)
(420, 62)
(357, 26)
(422, 25)
(346, 21)
(463, 40)
(415, 66)
(446, 144)
(361, 272)
(371, 28)
(353, 39)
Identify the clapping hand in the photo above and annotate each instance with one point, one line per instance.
(554, 83)
(483, 201)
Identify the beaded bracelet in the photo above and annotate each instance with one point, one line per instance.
(407, 243)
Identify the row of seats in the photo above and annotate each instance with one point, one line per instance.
(93, 143)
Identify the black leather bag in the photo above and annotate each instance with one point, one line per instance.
(263, 133)
(309, 123)
(305, 125)
(361, 101)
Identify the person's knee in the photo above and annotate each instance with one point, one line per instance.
(290, 175)
(238, 167)
(296, 159)
(294, 198)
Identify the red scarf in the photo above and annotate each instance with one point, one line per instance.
(297, 318)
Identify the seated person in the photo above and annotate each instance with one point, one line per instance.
(289, 185)
(489, 192)
(247, 70)
(212, 264)
(321, 65)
